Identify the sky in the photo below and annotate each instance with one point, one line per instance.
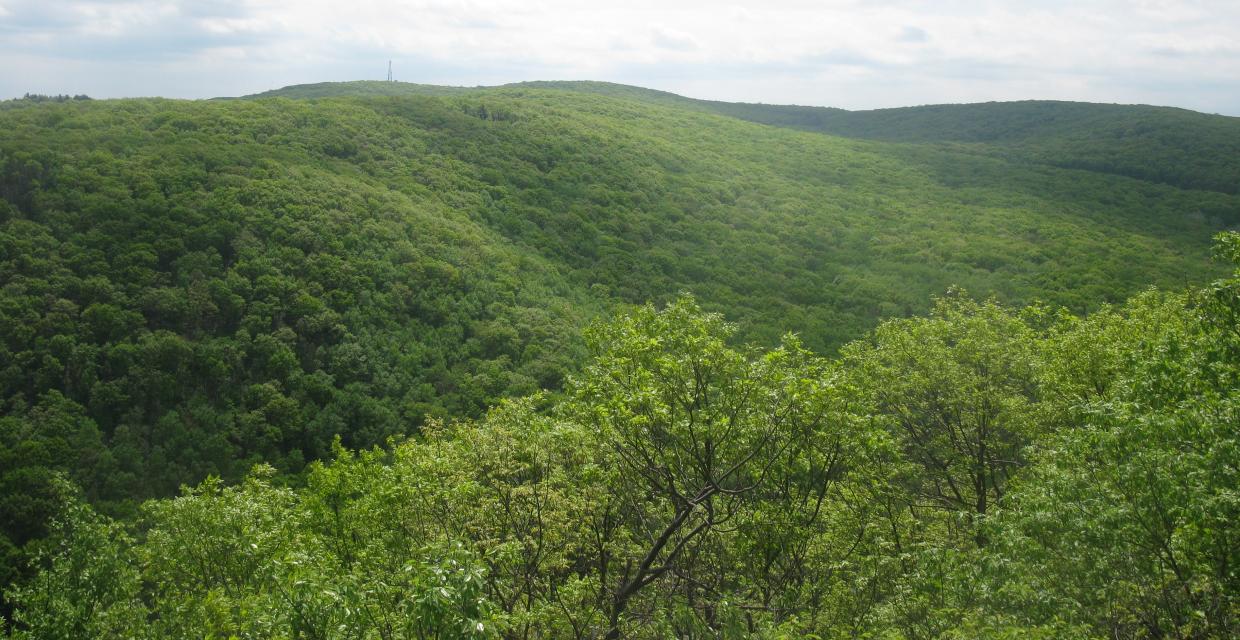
(850, 54)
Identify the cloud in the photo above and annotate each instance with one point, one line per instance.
(842, 57)
(1198, 50)
(125, 31)
(673, 40)
(912, 34)
(845, 53)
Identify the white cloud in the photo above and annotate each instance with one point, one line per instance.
(672, 39)
(842, 53)
(912, 34)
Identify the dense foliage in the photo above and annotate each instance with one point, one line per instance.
(1160, 144)
(980, 472)
(1165, 145)
(190, 289)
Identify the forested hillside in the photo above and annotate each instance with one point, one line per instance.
(358, 88)
(1158, 144)
(982, 472)
(1164, 145)
(188, 289)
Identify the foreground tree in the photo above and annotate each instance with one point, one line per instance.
(89, 586)
(1124, 525)
(956, 390)
(698, 428)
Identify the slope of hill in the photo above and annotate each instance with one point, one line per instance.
(190, 287)
(1165, 145)
(1159, 144)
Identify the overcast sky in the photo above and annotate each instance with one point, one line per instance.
(846, 54)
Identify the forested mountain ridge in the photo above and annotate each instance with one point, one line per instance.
(193, 287)
(1158, 144)
(1167, 145)
(357, 88)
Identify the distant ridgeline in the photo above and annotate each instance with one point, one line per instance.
(188, 288)
(38, 97)
(1166, 145)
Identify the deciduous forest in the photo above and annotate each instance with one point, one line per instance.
(579, 360)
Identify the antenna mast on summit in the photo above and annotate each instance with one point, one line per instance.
(390, 72)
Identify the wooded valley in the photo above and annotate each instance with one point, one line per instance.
(580, 360)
